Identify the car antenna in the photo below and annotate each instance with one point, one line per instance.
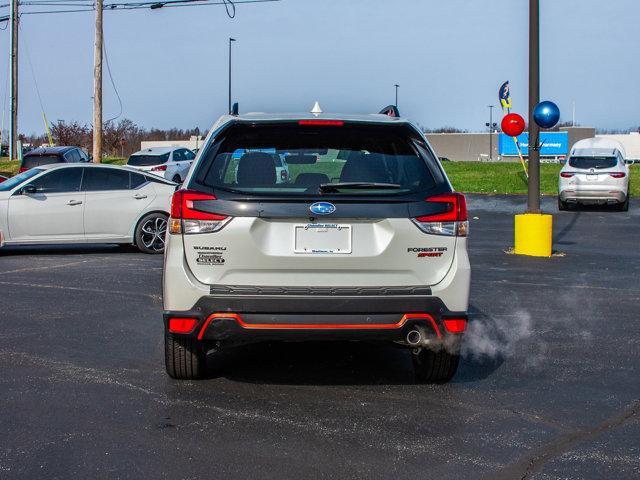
(316, 110)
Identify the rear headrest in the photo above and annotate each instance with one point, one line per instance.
(311, 179)
(362, 167)
(256, 169)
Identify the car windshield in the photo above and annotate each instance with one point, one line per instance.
(38, 160)
(12, 182)
(147, 160)
(358, 159)
(588, 163)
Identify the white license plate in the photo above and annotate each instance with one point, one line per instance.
(592, 176)
(322, 238)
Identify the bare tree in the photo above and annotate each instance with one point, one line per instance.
(71, 133)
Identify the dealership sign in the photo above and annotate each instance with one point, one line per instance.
(553, 144)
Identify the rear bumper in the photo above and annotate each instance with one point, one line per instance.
(593, 196)
(237, 319)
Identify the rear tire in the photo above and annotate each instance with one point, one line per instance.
(184, 358)
(434, 367)
(562, 205)
(624, 206)
(150, 233)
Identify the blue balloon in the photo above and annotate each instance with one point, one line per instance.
(546, 114)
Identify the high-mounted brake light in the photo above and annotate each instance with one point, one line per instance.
(322, 123)
(567, 174)
(618, 174)
(451, 222)
(187, 218)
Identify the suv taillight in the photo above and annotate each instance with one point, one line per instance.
(567, 174)
(159, 168)
(187, 219)
(23, 169)
(452, 222)
(617, 174)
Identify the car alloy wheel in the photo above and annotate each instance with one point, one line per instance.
(153, 233)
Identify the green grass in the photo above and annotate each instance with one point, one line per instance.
(500, 178)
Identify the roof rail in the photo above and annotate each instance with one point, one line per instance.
(390, 111)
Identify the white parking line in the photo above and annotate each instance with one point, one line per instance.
(155, 298)
(48, 267)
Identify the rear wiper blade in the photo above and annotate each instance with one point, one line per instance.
(334, 187)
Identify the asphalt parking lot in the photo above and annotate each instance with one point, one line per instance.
(548, 388)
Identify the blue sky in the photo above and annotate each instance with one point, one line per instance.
(170, 65)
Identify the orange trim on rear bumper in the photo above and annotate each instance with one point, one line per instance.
(320, 326)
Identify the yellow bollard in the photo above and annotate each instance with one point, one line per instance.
(533, 234)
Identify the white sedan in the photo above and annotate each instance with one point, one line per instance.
(85, 203)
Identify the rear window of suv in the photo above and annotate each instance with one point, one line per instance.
(147, 160)
(39, 160)
(588, 163)
(353, 159)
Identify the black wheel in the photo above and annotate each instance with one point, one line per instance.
(624, 206)
(434, 366)
(562, 205)
(184, 358)
(150, 233)
(176, 178)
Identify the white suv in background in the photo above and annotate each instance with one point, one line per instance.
(364, 240)
(172, 163)
(595, 173)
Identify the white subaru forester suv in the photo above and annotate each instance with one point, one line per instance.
(366, 240)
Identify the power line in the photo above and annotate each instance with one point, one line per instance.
(229, 5)
(113, 84)
(35, 82)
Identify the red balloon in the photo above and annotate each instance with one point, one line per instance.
(513, 124)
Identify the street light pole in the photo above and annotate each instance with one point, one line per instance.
(490, 131)
(533, 201)
(230, 40)
(397, 86)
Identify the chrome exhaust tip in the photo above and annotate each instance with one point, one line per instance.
(414, 338)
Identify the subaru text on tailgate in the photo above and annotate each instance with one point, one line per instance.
(365, 240)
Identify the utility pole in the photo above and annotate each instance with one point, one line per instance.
(533, 201)
(492, 127)
(397, 86)
(230, 40)
(97, 87)
(13, 127)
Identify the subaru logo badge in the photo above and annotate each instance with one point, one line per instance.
(322, 208)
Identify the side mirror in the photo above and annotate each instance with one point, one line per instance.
(29, 189)
(629, 161)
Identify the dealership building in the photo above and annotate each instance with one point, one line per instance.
(555, 145)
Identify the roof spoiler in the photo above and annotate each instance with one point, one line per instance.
(390, 111)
